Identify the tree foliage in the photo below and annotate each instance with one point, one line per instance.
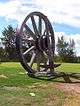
(66, 49)
(8, 41)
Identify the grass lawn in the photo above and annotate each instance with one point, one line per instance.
(17, 89)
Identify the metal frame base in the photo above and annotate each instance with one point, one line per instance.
(48, 76)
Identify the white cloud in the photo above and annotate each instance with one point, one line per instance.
(75, 37)
(60, 11)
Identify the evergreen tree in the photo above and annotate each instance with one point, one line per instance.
(66, 50)
(8, 40)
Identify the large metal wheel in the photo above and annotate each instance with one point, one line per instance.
(36, 44)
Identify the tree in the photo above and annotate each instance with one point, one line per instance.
(2, 54)
(66, 50)
(8, 40)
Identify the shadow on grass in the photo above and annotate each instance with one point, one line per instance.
(66, 78)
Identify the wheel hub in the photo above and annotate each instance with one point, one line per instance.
(41, 43)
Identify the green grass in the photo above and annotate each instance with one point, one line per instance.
(69, 67)
(14, 78)
(16, 86)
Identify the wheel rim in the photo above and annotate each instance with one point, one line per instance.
(36, 43)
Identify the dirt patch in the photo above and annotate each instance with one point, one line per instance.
(72, 88)
(75, 101)
(3, 76)
(21, 73)
(73, 92)
(52, 98)
(12, 88)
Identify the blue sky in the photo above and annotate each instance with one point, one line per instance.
(66, 28)
(4, 23)
(63, 14)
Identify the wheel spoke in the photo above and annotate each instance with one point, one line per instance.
(40, 26)
(27, 51)
(44, 33)
(32, 59)
(30, 32)
(50, 55)
(34, 26)
(50, 62)
(46, 62)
